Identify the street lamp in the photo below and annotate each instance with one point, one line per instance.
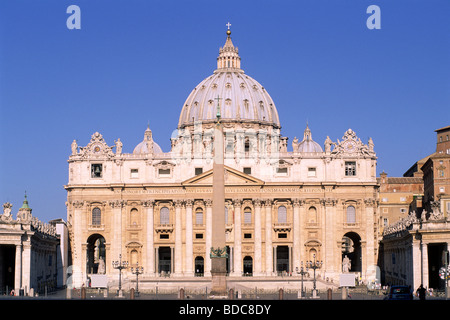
(314, 265)
(137, 271)
(302, 272)
(120, 265)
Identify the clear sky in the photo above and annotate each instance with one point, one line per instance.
(135, 62)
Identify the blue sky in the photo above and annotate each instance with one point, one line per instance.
(136, 61)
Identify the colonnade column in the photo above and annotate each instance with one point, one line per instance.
(189, 258)
(150, 265)
(18, 269)
(257, 258)
(269, 248)
(237, 238)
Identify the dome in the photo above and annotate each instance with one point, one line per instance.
(147, 145)
(240, 97)
(308, 144)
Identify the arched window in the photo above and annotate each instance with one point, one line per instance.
(247, 215)
(134, 217)
(351, 214)
(199, 216)
(164, 215)
(312, 215)
(282, 214)
(96, 216)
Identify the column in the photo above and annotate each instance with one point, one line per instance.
(26, 265)
(150, 265)
(329, 250)
(296, 241)
(178, 241)
(189, 260)
(237, 238)
(116, 246)
(369, 260)
(269, 248)
(425, 264)
(257, 257)
(18, 271)
(208, 240)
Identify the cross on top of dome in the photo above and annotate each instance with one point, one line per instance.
(229, 58)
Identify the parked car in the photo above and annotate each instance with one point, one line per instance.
(399, 293)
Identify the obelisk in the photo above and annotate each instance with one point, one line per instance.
(218, 252)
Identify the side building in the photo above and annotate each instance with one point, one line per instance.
(414, 248)
(31, 257)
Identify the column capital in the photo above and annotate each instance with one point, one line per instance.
(237, 202)
(148, 203)
(189, 202)
(257, 202)
(267, 202)
(208, 202)
(117, 203)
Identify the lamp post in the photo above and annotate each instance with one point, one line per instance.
(314, 265)
(302, 272)
(120, 265)
(137, 271)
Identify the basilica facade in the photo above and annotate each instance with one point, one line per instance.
(284, 205)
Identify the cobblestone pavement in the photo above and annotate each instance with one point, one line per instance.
(96, 294)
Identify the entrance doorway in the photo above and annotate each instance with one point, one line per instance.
(436, 260)
(199, 266)
(7, 268)
(351, 248)
(164, 260)
(248, 266)
(282, 259)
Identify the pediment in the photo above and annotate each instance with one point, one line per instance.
(232, 177)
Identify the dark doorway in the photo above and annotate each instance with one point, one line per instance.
(248, 266)
(164, 260)
(351, 247)
(7, 268)
(282, 259)
(199, 266)
(435, 262)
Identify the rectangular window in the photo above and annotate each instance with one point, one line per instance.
(350, 168)
(164, 172)
(164, 236)
(199, 236)
(96, 170)
(247, 235)
(134, 173)
(311, 172)
(282, 236)
(282, 171)
(248, 170)
(198, 171)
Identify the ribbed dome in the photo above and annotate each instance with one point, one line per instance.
(308, 144)
(241, 98)
(147, 145)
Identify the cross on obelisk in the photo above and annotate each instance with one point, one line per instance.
(218, 252)
(228, 25)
